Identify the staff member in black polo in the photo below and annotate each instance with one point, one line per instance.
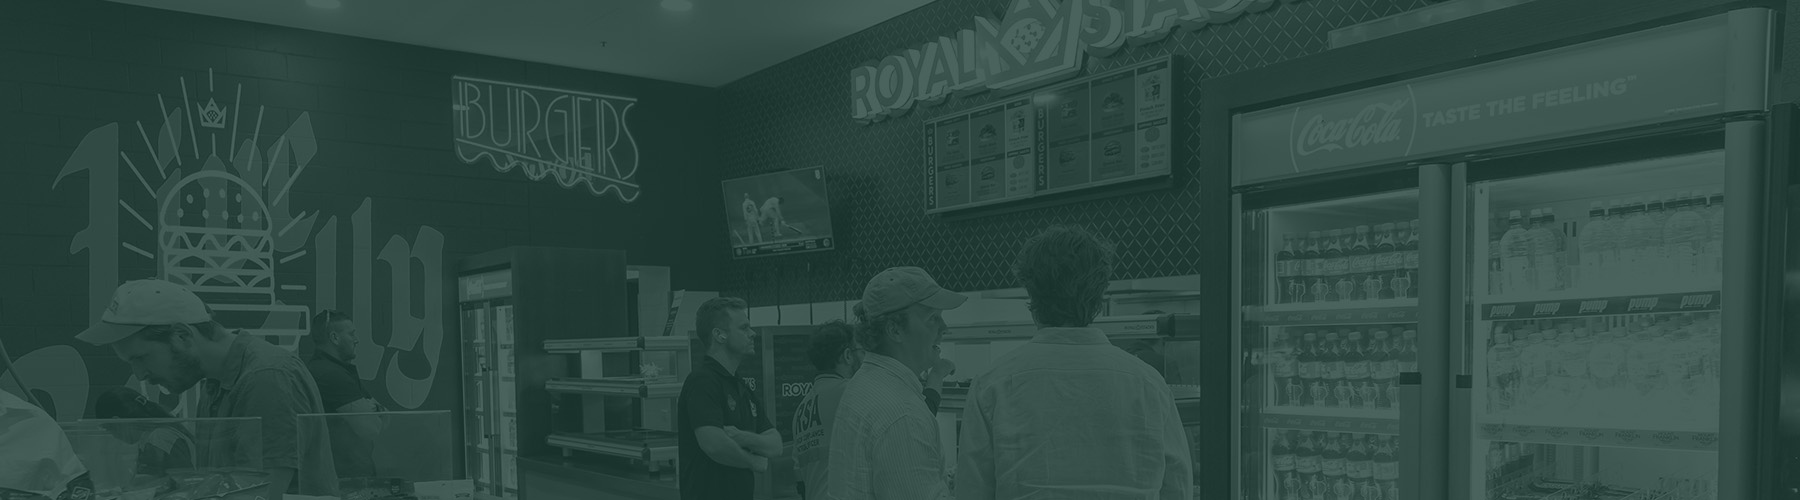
(341, 391)
(718, 460)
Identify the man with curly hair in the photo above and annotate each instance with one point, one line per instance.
(1069, 415)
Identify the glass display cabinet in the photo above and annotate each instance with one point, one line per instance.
(145, 459)
(384, 455)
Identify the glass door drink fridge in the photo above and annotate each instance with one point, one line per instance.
(1329, 320)
(1591, 273)
(1612, 291)
(1596, 339)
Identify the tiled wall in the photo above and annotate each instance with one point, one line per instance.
(797, 114)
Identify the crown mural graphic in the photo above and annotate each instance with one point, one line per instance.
(220, 215)
(205, 202)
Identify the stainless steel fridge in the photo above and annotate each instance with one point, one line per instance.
(1540, 277)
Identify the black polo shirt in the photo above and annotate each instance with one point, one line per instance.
(714, 397)
(338, 383)
(339, 386)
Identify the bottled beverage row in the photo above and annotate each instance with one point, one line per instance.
(1352, 264)
(1526, 471)
(1649, 366)
(1509, 462)
(1620, 245)
(1332, 367)
(1335, 466)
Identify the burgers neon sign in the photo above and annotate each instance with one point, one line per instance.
(1037, 41)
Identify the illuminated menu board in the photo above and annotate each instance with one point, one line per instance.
(1105, 129)
(980, 157)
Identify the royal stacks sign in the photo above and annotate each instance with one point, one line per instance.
(575, 137)
(1036, 42)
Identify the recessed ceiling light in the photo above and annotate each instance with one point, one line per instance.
(678, 5)
(325, 4)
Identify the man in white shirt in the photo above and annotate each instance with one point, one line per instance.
(1069, 415)
(884, 443)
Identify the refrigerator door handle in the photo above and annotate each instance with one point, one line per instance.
(1462, 434)
(1411, 461)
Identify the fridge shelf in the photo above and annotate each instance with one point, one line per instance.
(1606, 438)
(1570, 305)
(661, 387)
(616, 344)
(1330, 420)
(1335, 313)
(652, 446)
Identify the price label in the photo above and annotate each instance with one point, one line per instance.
(1706, 440)
(1627, 436)
(1501, 311)
(1696, 301)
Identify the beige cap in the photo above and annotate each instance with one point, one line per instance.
(899, 287)
(141, 303)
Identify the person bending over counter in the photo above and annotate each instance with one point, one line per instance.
(169, 337)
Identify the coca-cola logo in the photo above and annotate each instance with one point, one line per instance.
(1377, 123)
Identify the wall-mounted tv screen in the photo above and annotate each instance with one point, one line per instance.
(778, 213)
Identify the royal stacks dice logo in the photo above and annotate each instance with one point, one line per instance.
(207, 202)
(1038, 42)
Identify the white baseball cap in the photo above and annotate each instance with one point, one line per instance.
(900, 287)
(141, 303)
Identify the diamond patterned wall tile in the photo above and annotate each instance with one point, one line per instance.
(797, 114)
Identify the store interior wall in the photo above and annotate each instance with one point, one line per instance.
(376, 218)
(797, 114)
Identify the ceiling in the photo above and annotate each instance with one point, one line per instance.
(714, 43)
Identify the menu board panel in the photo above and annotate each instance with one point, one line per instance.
(1109, 128)
(981, 156)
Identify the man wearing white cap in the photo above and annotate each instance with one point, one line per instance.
(884, 443)
(170, 339)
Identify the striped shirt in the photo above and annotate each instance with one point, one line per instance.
(884, 443)
(1070, 416)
